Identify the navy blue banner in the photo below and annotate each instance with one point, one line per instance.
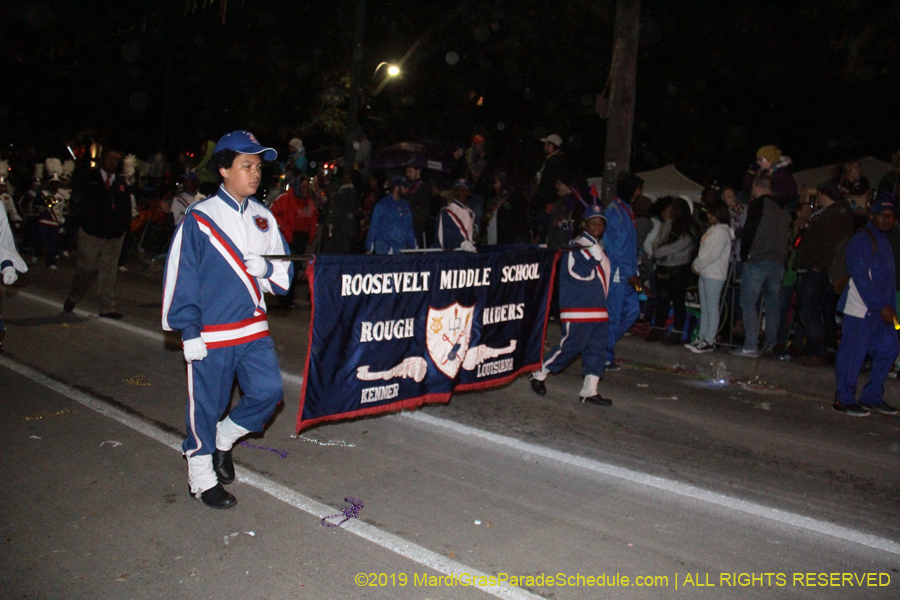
(394, 332)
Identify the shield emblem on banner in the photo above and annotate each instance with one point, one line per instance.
(447, 336)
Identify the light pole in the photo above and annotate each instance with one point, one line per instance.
(356, 71)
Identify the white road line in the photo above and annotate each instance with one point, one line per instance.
(666, 485)
(660, 483)
(370, 533)
(153, 335)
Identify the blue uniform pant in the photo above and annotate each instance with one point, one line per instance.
(209, 391)
(624, 307)
(48, 241)
(860, 337)
(588, 340)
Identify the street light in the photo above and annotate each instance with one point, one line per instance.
(392, 71)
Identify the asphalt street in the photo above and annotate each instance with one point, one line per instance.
(686, 487)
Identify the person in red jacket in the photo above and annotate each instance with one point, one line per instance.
(297, 217)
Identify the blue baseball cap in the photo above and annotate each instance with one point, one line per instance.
(192, 175)
(884, 202)
(245, 142)
(462, 183)
(594, 210)
(399, 180)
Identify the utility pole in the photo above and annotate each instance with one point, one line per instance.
(355, 76)
(617, 156)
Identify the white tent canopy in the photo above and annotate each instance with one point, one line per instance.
(666, 181)
(872, 169)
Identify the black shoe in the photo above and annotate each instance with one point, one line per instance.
(673, 339)
(612, 367)
(69, 305)
(597, 400)
(538, 387)
(883, 408)
(222, 465)
(217, 497)
(851, 410)
(655, 335)
(113, 314)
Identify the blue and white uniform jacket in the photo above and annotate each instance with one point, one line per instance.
(872, 277)
(207, 291)
(455, 225)
(583, 283)
(9, 255)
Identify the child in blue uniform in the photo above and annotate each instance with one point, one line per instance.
(583, 288)
(215, 277)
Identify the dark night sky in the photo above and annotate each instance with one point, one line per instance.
(716, 80)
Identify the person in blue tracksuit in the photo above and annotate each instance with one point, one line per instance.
(391, 228)
(583, 287)
(216, 273)
(620, 244)
(868, 304)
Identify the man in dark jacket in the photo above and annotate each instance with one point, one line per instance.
(832, 222)
(555, 168)
(101, 205)
(419, 197)
(764, 246)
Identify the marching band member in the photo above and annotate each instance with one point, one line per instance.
(583, 287)
(456, 221)
(213, 293)
(10, 261)
(50, 213)
(188, 195)
(9, 204)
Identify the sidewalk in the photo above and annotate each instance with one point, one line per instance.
(764, 374)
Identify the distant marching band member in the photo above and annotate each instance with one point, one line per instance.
(583, 288)
(213, 293)
(456, 221)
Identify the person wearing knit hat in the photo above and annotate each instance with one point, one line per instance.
(868, 304)
(772, 162)
(768, 156)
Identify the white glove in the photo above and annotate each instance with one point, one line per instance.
(467, 246)
(256, 265)
(194, 349)
(595, 252)
(9, 276)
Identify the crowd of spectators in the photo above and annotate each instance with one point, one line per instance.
(763, 261)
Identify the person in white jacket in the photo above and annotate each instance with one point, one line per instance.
(711, 265)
